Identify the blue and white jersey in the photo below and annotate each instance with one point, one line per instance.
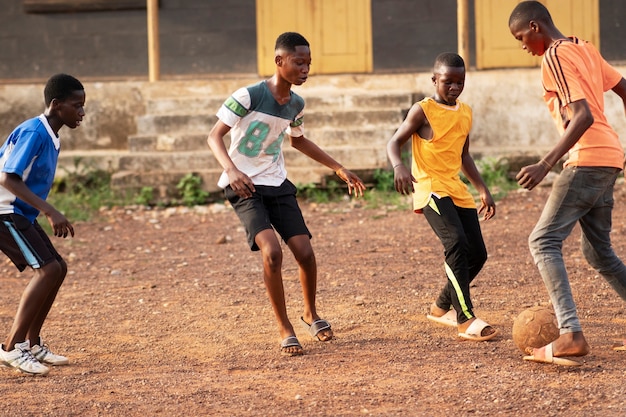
(31, 151)
(258, 128)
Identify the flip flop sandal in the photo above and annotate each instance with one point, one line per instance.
(474, 331)
(288, 342)
(314, 328)
(448, 319)
(544, 355)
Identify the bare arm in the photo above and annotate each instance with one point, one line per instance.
(468, 167)
(403, 180)
(316, 153)
(241, 184)
(61, 227)
(531, 175)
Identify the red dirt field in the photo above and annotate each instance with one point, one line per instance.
(164, 313)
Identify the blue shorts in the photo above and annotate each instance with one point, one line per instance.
(269, 207)
(26, 243)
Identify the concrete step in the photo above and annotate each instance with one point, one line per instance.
(86, 161)
(353, 158)
(152, 124)
(315, 100)
(173, 142)
(369, 156)
(323, 137)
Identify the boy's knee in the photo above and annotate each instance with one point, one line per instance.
(54, 271)
(273, 257)
(305, 257)
(535, 242)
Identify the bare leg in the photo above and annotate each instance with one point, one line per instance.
(301, 247)
(35, 304)
(272, 276)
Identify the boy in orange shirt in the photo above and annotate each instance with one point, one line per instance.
(574, 78)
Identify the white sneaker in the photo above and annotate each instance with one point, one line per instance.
(22, 359)
(42, 353)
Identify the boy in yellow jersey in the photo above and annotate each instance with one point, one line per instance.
(574, 77)
(439, 128)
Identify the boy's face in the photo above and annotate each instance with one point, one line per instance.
(449, 83)
(71, 110)
(530, 36)
(294, 66)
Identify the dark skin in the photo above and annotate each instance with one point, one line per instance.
(449, 83)
(41, 291)
(536, 37)
(292, 68)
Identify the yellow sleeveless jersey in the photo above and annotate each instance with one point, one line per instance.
(437, 161)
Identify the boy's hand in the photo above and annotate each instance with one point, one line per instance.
(61, 227)
(487, 206)
(353, 181)
(531, 175)
(241, 184)
(403, 180)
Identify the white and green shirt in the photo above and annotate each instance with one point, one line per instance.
(258, 128)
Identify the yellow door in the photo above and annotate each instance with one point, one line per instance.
(496, 48)
(339, 31)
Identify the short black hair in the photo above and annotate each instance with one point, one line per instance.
(289, 40)
(449, 59)
(60, 86)
(526, 11)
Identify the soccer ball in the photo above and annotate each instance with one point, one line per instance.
(535, 327)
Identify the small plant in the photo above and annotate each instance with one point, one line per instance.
(190, 187)
(332, 191)
(495, 174)
(145, 196)
(383, 180)
(82, 191)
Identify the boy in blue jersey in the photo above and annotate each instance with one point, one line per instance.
(255, 182)
(28, 161)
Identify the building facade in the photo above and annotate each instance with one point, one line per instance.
(107, 39)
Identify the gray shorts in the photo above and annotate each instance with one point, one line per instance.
(269, 207)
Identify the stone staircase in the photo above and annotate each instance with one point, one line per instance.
(352, 126)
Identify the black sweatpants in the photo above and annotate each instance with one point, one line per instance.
(458, 229)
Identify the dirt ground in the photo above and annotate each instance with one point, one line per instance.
(164, 313)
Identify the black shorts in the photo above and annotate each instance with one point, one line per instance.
(26, 243)
(269, 207)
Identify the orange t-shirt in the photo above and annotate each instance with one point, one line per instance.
(437, 161)
(571, 71)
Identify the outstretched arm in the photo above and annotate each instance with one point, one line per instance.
(316, 153)
(531, 175)
(402, 178)
(241, 184)
(468, 167)
(61, 227)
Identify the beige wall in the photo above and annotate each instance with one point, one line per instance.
(509, 114)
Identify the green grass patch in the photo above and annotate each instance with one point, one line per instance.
(83, 190)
